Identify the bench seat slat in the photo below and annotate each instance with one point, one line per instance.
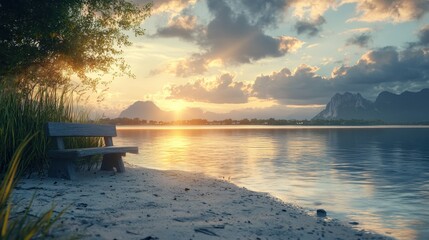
(84, 152)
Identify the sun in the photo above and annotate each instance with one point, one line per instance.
(177, 106)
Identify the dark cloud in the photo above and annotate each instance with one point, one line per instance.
(293, 87)
(424, 36)
(231, 37)
(377, 70)
(234, 39)
(311, 27)
(262, 12)
(224, 90)
(362, 40)
(184, 27)
(386, 65)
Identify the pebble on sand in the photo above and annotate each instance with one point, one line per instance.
(321, 213)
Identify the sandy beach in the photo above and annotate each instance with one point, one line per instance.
(151, 204)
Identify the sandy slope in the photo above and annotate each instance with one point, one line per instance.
(151, 204)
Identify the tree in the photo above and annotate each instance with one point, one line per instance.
(48, 42)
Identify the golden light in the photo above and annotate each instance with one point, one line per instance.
(177, 105)
(216, 63)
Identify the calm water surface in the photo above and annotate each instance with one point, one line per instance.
(378, 177)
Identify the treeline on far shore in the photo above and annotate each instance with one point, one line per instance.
(253, 121)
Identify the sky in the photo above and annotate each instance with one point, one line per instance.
(272, 58)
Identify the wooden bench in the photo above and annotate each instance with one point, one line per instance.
(62, 160)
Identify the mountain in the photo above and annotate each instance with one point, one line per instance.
(149, 111)
(145, 110)
(347, 106)
(407, 107)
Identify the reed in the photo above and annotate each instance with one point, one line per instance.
(24, 112)
(23, 226)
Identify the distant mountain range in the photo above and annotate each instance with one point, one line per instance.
(407, 107)
(147, 110)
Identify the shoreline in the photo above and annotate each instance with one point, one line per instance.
(148, 204)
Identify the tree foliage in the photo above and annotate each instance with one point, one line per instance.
(48, 42)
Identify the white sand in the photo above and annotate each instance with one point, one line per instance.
(150, 204)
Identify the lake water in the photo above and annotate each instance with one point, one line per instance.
(377, 176)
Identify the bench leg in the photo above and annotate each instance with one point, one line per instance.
(111, 161)
(62, 168)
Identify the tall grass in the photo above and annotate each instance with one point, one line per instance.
(24, 112)
(22, 227)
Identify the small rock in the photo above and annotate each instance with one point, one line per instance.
(150, 238)
(219, 226)
(321, 213)
(354, 223)
(132, 233)
(187, 189)
(82, 205)
(205, 231)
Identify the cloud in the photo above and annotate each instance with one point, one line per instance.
(237, 30)
(301, 85)
(377, 70)
(262, 13)
(310, 9)
(360, 40)
(311, 28)
(423, 36)
(366, 10)
(313, 45)
(231, 37)
(184, 27)
(223, 90)
(390, 10)
(386, 65)
(358, 30)
(196, 64)
(169, 6)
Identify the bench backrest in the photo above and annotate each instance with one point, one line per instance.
(58, 129)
